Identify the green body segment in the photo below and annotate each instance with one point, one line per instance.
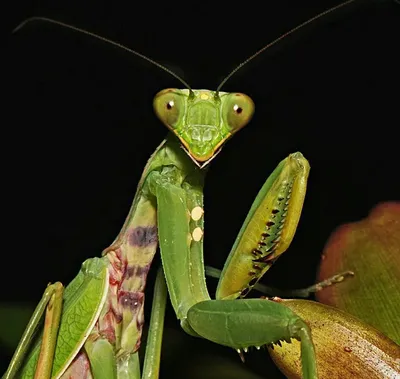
(242, 324)
(177, 187)
(194, 199)
(53, 293)
(50, 332)
(268, 229)
(102, 358)
(84, 297)
(151, 365)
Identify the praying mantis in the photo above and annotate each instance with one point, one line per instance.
(199, 95)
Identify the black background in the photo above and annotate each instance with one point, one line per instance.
(79, 127)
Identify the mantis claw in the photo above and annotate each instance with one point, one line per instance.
(241, 355)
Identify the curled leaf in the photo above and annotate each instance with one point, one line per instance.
(370, 248)
(345, 346)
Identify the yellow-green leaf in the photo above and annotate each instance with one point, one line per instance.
(345, 346)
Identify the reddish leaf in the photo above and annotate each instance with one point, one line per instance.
(370, 248)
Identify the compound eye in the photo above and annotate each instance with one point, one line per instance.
(168, 107)
(238, 110)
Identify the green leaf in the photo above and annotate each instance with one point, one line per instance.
(371, 249)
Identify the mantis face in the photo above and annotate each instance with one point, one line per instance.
(203, 120)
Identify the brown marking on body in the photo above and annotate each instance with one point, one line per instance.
(136, 270)
(131, 300)
(143, 236)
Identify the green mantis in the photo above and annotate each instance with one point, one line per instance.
(171, 178)
(168, 205)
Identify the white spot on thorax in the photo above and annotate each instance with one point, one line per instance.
(196, 213)
(197, 234)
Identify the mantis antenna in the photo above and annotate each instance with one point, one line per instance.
(295, 29)
(123, 47)
(111, 42)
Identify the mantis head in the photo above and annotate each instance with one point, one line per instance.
(203, 120)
